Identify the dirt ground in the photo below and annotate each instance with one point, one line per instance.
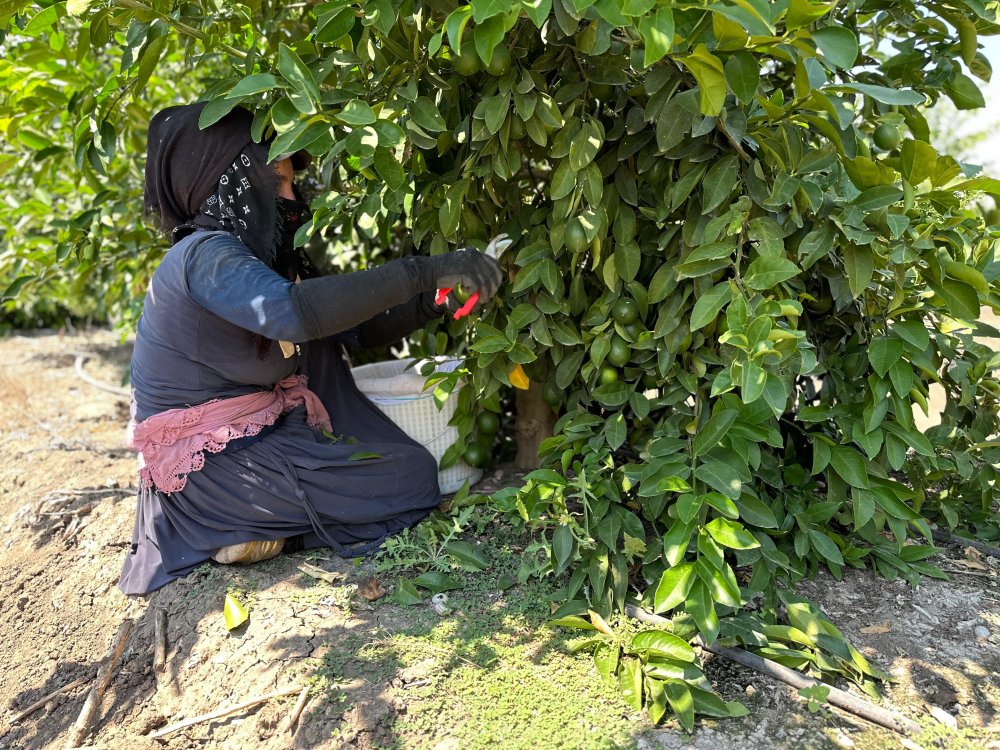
(486, 672)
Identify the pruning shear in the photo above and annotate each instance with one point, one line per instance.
(494, 249)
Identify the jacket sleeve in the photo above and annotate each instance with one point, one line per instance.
(227, 279)
(393, 324)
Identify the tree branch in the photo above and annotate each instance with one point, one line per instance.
(180, 26)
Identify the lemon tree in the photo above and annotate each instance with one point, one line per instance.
(739, 266)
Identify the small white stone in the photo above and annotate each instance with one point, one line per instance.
(843, 740)
(982, 631)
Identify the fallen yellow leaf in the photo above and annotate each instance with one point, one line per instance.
(518, 379)
(234, 612)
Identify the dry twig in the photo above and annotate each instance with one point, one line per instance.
(42, 701)
(218, 714)
(300, 704)
(90, 707)
(986, 549)
(160, 639)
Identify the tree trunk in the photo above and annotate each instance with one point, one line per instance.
(535, 422)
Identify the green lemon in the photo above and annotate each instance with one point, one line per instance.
(625, 311)
(575, 236)
(601, 91)
(620, 353)
(633, 329)
(887, 137)
(608, 375)
(499, 61)
(820, 305)
(467, 62)
(487, 423)
(476, 455)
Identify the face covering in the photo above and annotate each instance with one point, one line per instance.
(292, 262)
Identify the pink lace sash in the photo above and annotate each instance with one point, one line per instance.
(172, 444)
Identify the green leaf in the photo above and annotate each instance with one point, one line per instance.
(673, 124)
(916, 161)
(406, 593)
(731, 534)
(254, 85)
(681, 702)
(455, 25)
(826, 547)
(893, 506)
(913, 332)
(753, 379)
(356, 113)
(436, 582)
(859, 263)
(713, 431)
(659, 643)
(960, 298)
(389, 169)
(803, 12)
(216, 109)
(838, 45)
(630, 683)
(707, 307)
(305, 93)
(675, 583)
(483, 9)
(425, 113)
(333, 26)
(711, 77)
(849, 465)
(720, 182)
(451, 210)
(16, 285)
(563, 180)
(720, 477)
(768, 271)
(755, 512)
(880, 196)
(862, 507)
(743, 75)
(883, 352)
(363, 455)
(470, 556)
(488, 35)
(688, 506)
(701, 607)
(563, 548)
(573, 621)
(882, 94)
(964, 92)
(656, 702)
(752, 15)
(657, 31)
(585, 145)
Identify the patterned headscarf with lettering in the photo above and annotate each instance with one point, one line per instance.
(244, 203)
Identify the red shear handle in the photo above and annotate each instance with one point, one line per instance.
(442, 297)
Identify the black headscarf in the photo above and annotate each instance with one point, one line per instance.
(219, 178)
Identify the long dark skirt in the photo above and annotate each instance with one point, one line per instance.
(292, 482)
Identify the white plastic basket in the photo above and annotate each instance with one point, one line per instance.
(397, 388)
